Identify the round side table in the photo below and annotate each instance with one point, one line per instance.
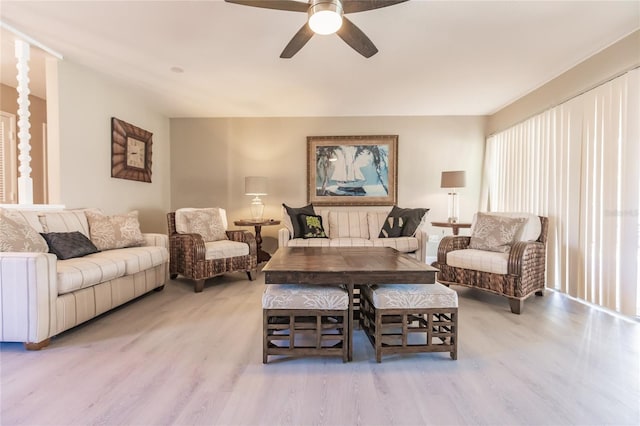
(263, 256)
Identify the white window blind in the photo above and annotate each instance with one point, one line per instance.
(577, 163)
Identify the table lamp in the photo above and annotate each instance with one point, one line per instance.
(453, 180)
(256, 186)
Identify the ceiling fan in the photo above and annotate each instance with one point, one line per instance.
(325, 17)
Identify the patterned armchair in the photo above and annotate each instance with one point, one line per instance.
(516, 274)
(200, 247)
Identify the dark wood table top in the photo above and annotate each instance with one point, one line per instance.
(345, 265)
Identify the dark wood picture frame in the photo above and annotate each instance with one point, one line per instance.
(131, 149)
(352, 170)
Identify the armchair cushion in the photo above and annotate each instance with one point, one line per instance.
(223, 249)
(208, 223)
(495, 233)
(529, 232)
(479, 260)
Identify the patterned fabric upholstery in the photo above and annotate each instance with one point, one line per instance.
(293, 296)
(65, 221)
(479, 260)
(348, 224)
(402, 244)
(17, 236)
(182, 225)
(82, 272)
(418, 296)
(116, 231)
(529, 232)
(30, 217)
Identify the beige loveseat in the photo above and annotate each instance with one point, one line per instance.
(42, 296)
(356, 228)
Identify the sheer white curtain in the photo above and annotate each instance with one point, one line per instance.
(578, 163)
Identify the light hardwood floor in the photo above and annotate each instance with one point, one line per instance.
(177, 357)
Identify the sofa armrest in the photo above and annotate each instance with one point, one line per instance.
(451, 243)
(157, 240)
(244, 237)
(423, 237)
(28, 289)
(283, 237)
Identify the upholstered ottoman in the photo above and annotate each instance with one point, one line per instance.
(410, 318)
(303, 320)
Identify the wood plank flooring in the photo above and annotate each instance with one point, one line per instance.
(177, 357)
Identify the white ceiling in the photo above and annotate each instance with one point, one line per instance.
(435, 57)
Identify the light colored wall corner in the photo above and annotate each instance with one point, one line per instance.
(87, 101)
(610, 62)
(38, 116)
(211, 156)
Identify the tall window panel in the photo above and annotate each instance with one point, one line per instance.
(577, 163)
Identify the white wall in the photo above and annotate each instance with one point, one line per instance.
(86, 103)
(211, 156)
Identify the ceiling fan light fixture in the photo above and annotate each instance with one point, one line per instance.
(325, 16)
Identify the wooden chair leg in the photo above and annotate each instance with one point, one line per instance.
(198, 286)
(516, 305)
(251, 275)
(173, 276)
(159, 288)
(540, 293)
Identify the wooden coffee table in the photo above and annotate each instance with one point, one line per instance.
(349, 266)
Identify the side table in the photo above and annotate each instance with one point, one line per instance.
(263, 256)
(454, 226)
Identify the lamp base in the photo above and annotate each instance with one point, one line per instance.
(453, 207)
(257, 209)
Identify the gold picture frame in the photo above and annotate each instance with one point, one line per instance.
(352, 170)
(131, 150)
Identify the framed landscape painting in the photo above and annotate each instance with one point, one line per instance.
(352, 170)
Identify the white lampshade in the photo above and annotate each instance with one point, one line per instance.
(255, 185)
(454, 179)
(325, 16)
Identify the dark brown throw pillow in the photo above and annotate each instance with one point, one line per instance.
(67, 245)
(293, 213)
(402, 222)
(311, 226)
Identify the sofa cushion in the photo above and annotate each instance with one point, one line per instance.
(402, 222)
(207, 223)
(330, 242)
(223, 249)
(114, 232)
(529, 232)
(311, 226)
(66, 221)
(402, 244)
(479, 260)
(30, 217)
(295, 296)
(495, 233)
(290, 218)
(67, 245)
(375, 220)
(83, 272)
(18, 236)
(348, 224)
(418, 296)
(137, 259)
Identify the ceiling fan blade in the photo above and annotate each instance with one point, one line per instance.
(298, 41)
(290, 5)
(354, 37)
(353, 6)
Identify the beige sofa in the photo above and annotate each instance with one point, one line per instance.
(356, 228)
(42, 296)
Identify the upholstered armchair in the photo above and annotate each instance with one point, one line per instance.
(201, 247)
(515, 270)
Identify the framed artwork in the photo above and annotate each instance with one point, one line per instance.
(130, 151)
(352, 170)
